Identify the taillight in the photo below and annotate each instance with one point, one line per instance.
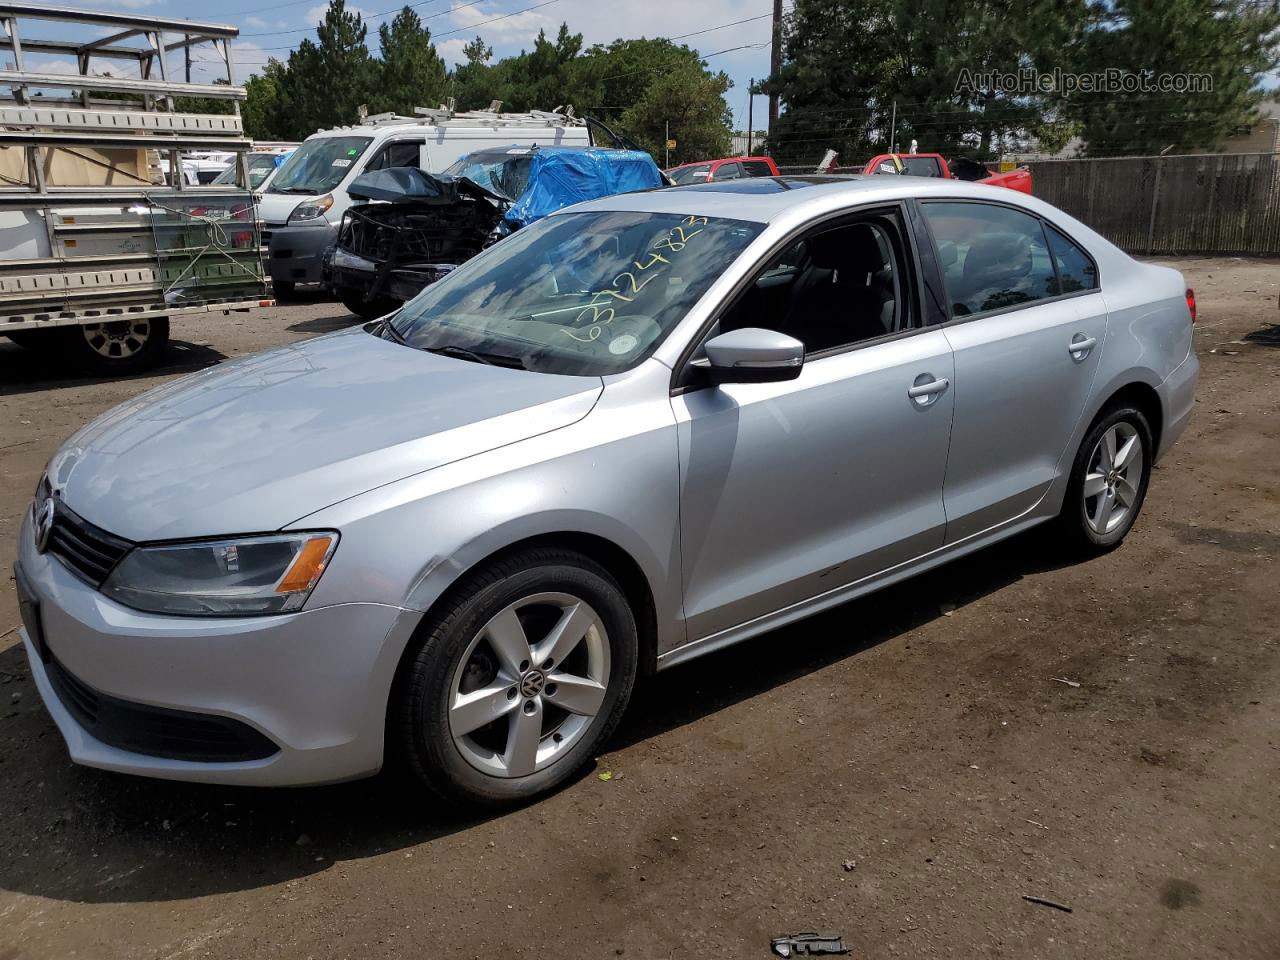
(1191, 303)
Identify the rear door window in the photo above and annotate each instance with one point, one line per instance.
(757, 168)
(992, 257)
(728, 171)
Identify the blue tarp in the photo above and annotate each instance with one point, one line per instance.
(561, 176)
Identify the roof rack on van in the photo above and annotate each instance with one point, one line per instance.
(446, 115)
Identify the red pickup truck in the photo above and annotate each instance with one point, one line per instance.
(935, 165)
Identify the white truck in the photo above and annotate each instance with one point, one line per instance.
(302, 205)
(97, 250)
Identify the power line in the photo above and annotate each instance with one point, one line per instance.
(474, 26)
(387, 13)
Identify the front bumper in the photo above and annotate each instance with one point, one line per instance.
(315, 683)
(343, 269)
(294, 252)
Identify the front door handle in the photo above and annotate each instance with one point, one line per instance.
(1080, 346)
(925, 393)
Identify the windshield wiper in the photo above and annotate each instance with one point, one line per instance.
(492, 359)
(306, 190)
(389, 327)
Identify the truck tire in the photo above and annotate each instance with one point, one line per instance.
(115, 348)
(354, 301)
(283, 290)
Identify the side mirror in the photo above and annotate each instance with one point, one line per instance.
(753, 355)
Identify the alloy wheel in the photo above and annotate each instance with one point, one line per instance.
(529, 685)
(117, 339)
(1113, 479)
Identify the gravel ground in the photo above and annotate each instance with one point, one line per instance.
(902, 770)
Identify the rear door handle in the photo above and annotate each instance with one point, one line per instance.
(928, 389)
(1082, 345)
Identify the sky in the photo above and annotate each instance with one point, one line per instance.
(732, 34)
(272, 27)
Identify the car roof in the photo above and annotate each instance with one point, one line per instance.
(762, 199)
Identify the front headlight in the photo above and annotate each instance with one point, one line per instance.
(239, 577)
(311, 209)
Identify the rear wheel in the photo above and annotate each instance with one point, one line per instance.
(1108, 480)
(517, 684)
(354, 301)
(117, 347)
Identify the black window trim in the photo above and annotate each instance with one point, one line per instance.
(952, 318)
(683, 373)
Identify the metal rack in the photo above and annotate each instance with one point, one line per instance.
(151, 248)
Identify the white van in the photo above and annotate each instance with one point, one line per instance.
(302, 205)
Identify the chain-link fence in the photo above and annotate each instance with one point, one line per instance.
(1209, 204)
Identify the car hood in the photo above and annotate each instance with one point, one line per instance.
(254, 444)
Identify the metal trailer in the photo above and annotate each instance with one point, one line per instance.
(103, 241)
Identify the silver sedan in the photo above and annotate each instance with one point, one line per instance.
(636, 432)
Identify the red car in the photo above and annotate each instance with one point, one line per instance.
(935, 165)
(730, 168)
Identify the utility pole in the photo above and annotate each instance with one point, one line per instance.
(667, 145)
(187, 50)
(775, 62)
(751, 101)
(893, 128)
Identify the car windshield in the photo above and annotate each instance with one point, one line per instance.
(318, 165)
(260, 167)
(695, 174)
(584, 293)
(505, 173)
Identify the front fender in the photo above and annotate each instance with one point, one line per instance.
(408, 542)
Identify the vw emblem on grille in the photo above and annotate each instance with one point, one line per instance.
(531, 683)
(44, 524)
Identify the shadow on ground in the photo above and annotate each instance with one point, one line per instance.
(1268, 336)
(71, 833)
(28, 371)
(319, 325)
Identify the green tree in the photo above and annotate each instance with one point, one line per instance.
(348, 73)
(262, 111)
(205, 104)
(412, 74)
(627, 67)
(476, 83)
(688, 101)
(1231, 42)
(856, 72)
(552, 74)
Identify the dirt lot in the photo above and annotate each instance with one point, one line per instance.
(901, 771)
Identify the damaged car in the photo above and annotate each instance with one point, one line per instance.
(416, 227)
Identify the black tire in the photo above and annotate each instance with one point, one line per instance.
(419, 733)
(114, 348)
(37, 341)
(284, 290)
(1078, 510)
(354, 301)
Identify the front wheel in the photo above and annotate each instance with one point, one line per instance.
(1108, 480)
(514, 687)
